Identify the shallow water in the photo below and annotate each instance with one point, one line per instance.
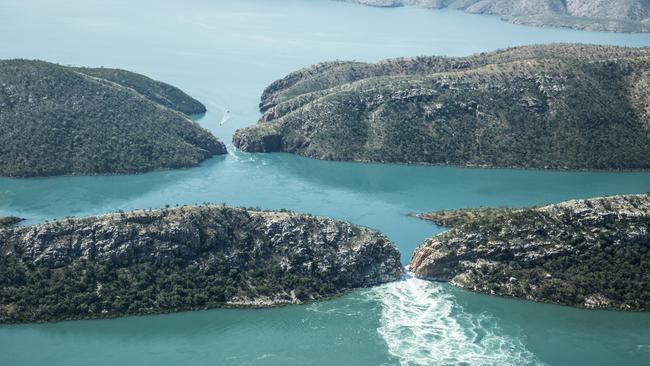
(224, 53)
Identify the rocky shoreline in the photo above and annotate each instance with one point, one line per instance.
(191, 257)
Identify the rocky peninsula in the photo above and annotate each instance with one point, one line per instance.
(592, 253)
(558, 106)
(184, 258)
(58, 120)
(590, 15)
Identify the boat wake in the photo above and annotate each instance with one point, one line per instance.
(225, 118)
(422, 325)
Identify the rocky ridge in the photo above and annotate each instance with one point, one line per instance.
(159, 92)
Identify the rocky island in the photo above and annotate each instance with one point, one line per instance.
(191, 257)
(58, 120)
(559, 106)
(591, 15)
(157, 91)
(592, 253)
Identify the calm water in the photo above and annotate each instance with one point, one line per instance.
(224, 53)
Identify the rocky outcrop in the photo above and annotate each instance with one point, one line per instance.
(184, 258)
(561, 106)
(58, 120)
(6, 221)
(592, 253)
(592, 15)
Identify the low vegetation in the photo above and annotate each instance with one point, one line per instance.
(593, 15)
(190, 257)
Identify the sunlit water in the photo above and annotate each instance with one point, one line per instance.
(224, 53)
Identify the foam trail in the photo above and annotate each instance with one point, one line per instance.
(422, 325)
(225, 118)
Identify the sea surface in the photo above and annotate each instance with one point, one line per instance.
(224, 53)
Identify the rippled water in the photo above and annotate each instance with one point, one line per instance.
(224, 53)
(422, 324)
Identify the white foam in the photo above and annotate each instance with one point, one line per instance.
(422, 325)
(224, 119)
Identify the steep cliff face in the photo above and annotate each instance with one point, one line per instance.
(184, 258)
(591, 253)
(595, 15)
(557, 106)
(57, 120)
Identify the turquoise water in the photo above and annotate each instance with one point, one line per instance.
(224, 53)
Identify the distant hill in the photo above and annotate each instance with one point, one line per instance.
(185, 258)
(593, 15)
(57, 120)
(558, 106)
